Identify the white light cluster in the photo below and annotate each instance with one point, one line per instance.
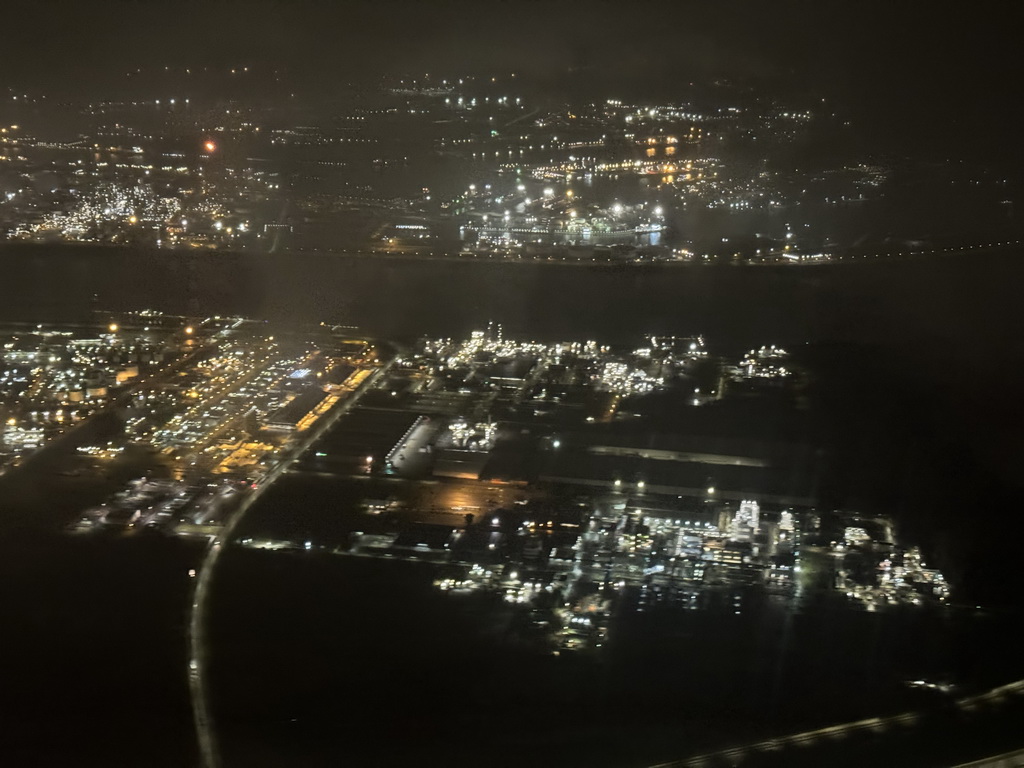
(111, 202)
(765, 363)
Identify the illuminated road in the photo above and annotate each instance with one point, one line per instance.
(736, 755)
(198, 651)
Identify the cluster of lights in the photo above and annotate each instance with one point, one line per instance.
(765, 363)
(624, 379)
(111, 202)
(479, 436)
(899, 579)
(62, 379)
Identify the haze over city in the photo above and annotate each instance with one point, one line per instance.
(504, 384)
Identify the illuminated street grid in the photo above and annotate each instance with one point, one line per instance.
(216, 403)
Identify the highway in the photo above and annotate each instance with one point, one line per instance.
(198, 650)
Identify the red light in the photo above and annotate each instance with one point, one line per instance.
(210, 146)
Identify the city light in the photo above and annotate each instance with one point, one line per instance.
(427, 459)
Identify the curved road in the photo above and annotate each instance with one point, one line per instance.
(209, 753)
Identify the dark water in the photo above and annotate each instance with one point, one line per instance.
(967, 302)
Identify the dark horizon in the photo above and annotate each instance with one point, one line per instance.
(934, 74)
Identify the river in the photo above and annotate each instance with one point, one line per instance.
(962, 301)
